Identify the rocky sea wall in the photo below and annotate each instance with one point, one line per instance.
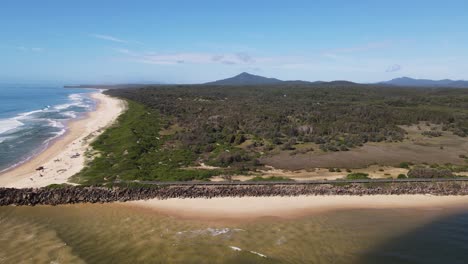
(79, 194)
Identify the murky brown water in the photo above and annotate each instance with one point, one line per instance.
(113, 233)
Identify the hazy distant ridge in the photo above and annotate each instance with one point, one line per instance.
(251, 79)
(406, 81)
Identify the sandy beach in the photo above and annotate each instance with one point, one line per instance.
(250, 208)
(65, 157)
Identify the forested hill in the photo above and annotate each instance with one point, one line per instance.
(246, 79)
(406, 81)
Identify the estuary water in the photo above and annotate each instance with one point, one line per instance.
(116, 233)
(31, 116)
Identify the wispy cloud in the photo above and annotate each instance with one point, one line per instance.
(108, 37)
(241, 58)
(29, 49)
(393, 68)
(244, 57)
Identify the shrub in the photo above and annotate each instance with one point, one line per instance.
(357, 176)
(209, 148)
(429, 173)
(404, 165)
(402, 176)
(271, 178)
(432, 133)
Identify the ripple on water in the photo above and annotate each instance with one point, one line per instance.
(118, 234)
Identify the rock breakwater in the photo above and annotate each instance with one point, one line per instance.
(79, 194)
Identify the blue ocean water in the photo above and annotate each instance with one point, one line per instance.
(32, 116)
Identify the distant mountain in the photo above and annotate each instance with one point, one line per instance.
(406, 81)
(251, 79)
(241, 79)
(246, 79)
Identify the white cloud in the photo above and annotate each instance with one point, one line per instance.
(108, 37)
(394, 68)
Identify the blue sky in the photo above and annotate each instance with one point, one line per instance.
(197, 41)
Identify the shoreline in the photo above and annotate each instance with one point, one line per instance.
(59, 158)
(238, 201)
(254, 208)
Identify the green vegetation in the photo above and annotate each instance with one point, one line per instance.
(402, 176)
(168, 130)
(357, 176)
(58, 186)
(279, 117)
(404, 165)
(134, 150)
(271, 178)
(450, 167)
(422, 172)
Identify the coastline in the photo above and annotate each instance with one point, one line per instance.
(250, 202)
(252, 208)
(59, 158)
(60, 166)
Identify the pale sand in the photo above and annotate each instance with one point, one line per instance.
(57, 158)
(292, 207)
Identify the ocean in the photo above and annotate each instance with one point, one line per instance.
(32, 116)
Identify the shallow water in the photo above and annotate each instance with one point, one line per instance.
(114, 233)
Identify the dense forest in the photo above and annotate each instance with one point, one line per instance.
(231, 126)
(337, 118)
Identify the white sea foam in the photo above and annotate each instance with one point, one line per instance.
(76, 100)
(9, 124)
(258, 254)
(27, 114)
(212, 231)
(56, 135)
(235, 248)
(18, 129)
(70, 114)
(253, 252)
(55, 123)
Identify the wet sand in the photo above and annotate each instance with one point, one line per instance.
(247, 208)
